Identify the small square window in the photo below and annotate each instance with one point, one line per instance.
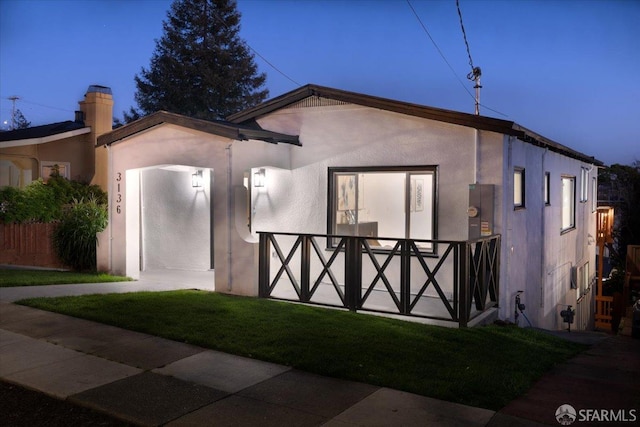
(518, 188)
(48, 168)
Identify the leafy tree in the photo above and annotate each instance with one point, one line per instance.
(19, 121)
(200, 67)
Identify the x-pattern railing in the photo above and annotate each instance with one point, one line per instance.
(475, 273)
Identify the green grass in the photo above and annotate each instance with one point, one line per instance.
(484, 366)
(19, 277)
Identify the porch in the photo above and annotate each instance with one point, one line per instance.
(456, 286)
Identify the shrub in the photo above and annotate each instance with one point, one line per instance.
(44, 202)
(75, 238)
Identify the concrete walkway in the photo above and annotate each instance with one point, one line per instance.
(153, 381)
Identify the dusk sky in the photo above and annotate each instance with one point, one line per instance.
(567, 70)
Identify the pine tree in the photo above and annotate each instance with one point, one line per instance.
(19, 121)
(200, 67)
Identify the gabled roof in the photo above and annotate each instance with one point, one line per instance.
(43, 134)
(448, 116)
(220, 128)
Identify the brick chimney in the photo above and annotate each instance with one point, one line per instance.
(97, 108)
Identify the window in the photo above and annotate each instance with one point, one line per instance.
(385, 202)
(568, 202)
(584, 184)
(518, 188)
(47, 168)
(547, 188)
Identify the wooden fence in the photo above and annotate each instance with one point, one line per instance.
(28, 245)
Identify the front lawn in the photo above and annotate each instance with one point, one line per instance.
(20, 277)
(483, 366)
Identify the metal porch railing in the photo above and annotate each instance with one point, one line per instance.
(457, 285)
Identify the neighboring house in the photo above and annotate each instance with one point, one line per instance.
(31, 153)
(406, 176)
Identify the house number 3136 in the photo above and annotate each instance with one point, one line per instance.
(118, 192)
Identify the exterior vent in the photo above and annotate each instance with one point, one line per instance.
(316, 101)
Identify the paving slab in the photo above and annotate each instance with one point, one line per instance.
(242, 411)
(148, 399)
(386, 407)
(12, 313)
(222, 371)
(31, 353)
(94, 339)
(322, 396)
(10, 338)
(69, 376)
(42, 324)
(147, 353)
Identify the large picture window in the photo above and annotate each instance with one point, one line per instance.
(383, 202)
(568, 203)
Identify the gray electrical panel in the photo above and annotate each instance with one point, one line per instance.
(480, 210)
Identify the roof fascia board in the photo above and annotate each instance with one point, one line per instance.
(448, 116)
(533, 138)
(454, 117)
(44, 139)
(219, 129)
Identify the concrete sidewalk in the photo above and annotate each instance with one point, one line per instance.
(153, 381)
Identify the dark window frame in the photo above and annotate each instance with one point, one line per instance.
(332, 208)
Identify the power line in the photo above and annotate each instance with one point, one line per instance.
(222, 21)
(437, 48)
(464, 35)
(475, 73)
(46, 106)
(445, 59)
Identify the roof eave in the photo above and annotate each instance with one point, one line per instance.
(220, 129)
(44, 139)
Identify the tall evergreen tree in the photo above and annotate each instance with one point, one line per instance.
(200, 67)
(19, 121)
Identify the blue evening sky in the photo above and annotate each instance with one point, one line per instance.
(566, 69)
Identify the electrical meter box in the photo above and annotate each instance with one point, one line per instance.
(480, 210)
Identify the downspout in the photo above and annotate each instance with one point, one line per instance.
(229, 215)
(476, 154)
(109, 211)
(508, 213)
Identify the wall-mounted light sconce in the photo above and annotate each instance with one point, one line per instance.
(259, 178)
(196, 179)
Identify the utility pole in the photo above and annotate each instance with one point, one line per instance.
(13, 99)
(475, 76)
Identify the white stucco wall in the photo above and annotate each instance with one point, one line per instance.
(536, 257)
(295, 198)
(163, 146)
(175, 220)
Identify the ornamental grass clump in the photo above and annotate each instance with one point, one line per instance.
(75, 239)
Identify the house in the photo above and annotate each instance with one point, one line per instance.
(32, 153)
(339, 198)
